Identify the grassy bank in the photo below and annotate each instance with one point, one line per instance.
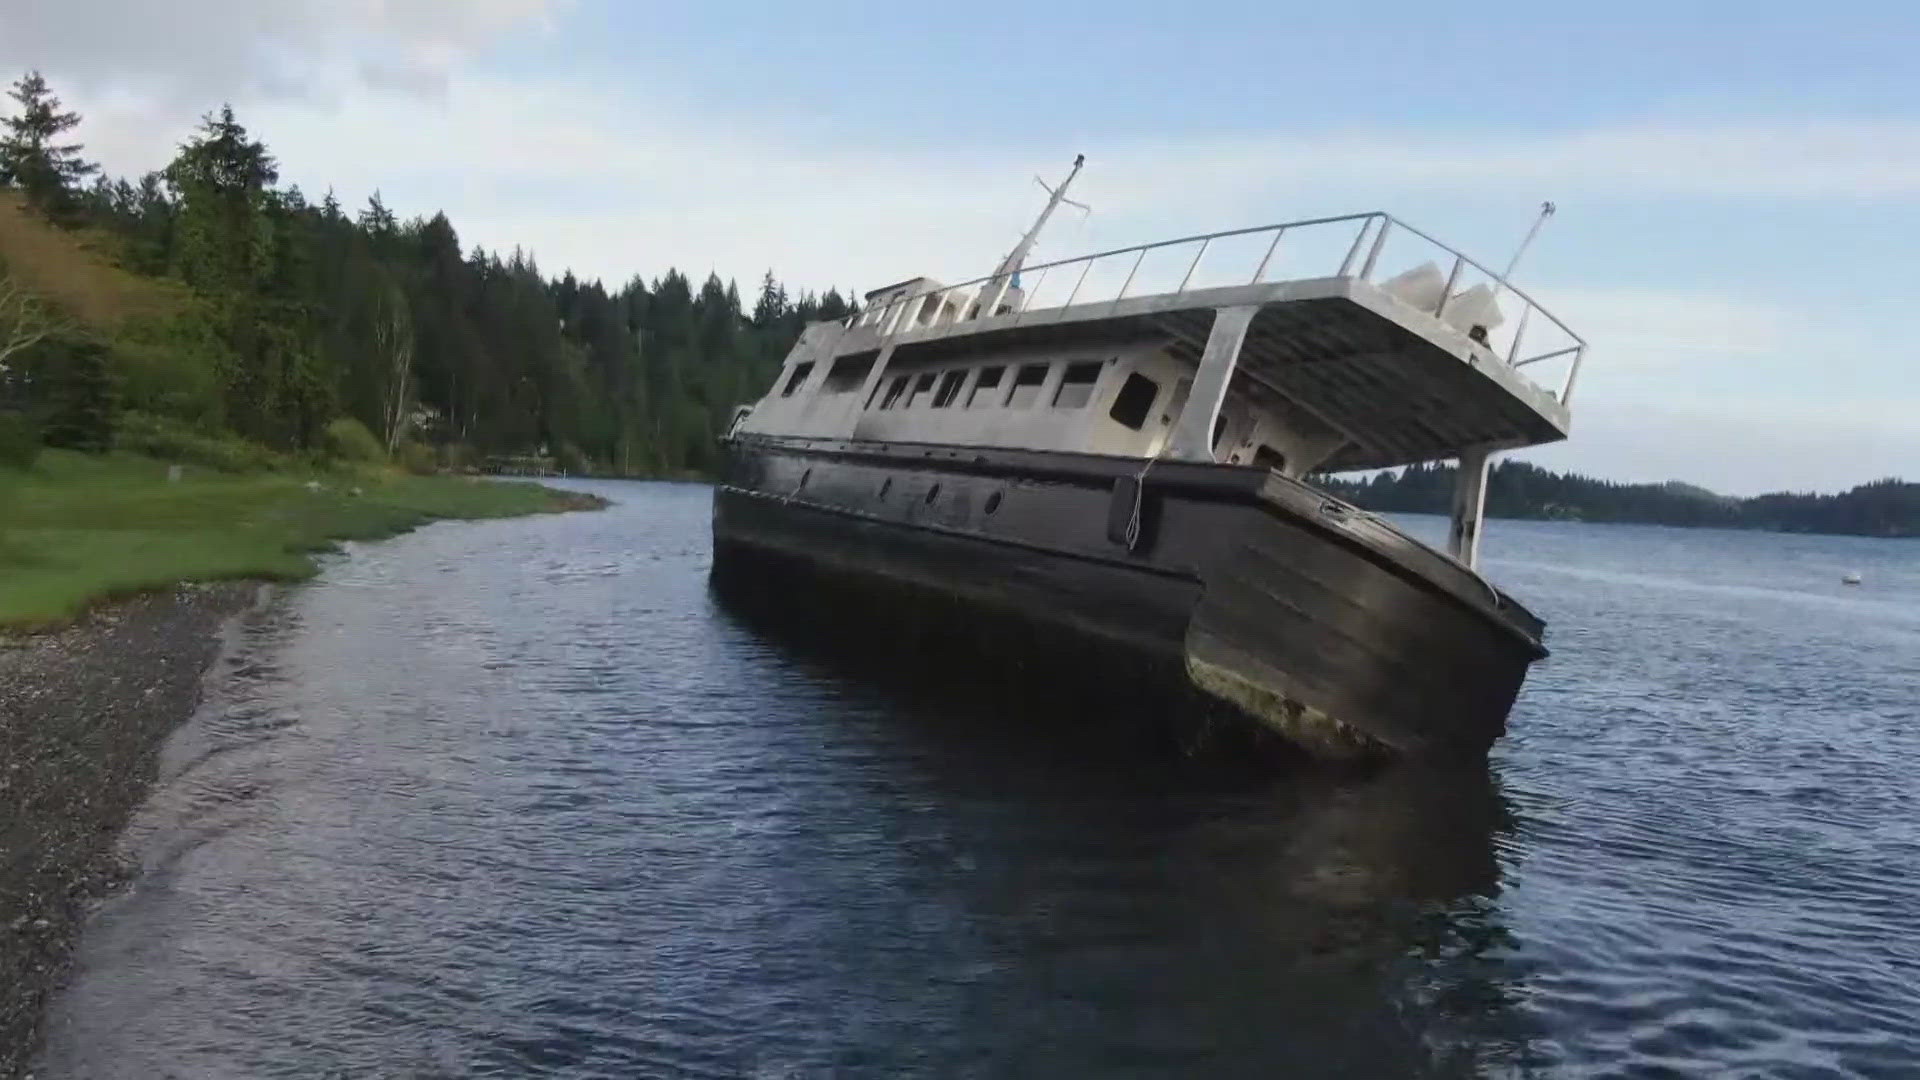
(78, 528)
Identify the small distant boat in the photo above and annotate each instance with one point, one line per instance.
(1851, 577)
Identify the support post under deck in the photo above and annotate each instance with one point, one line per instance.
(1469, 506)
(823, 356)
(875, 374)
(1192, 437)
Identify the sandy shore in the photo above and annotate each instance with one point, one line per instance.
(83, 712)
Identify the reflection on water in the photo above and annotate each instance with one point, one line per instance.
(1255, 914)
(523, 798)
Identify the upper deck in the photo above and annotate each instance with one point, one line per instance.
(1360, 335)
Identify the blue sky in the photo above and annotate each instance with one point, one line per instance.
(1737, 184)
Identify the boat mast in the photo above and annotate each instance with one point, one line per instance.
(1018, 256)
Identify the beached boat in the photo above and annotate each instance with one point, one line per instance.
(1118, 449)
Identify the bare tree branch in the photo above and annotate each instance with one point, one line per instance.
(393, 340)
(25, 321)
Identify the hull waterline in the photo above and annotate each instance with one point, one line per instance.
(1232, 586)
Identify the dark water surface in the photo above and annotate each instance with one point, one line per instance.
(521, 798)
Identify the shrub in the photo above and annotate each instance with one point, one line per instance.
(19, 440)
(166, 439)
(349, 440)
(458, 457)
(77, 383)
(173, 367)
(572, 461)
(419, 458)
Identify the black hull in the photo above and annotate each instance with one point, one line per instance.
(1318, 623)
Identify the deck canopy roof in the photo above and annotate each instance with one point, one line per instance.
(1413, 367)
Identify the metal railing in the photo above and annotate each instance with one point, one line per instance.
(1364, 257)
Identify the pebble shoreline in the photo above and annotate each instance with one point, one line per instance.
(83, 712)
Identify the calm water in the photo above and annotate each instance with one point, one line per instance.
(520, 798)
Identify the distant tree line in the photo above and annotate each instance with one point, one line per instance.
(294, 313)
(1516, 489)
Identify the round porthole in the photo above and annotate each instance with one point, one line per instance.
(993, 502)
(933, 493)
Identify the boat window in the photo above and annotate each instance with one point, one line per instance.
(921, 387)
(1026, 385)
(1266, 457)
(848, 374)
(894, 391)
(985, 391)
(1134, 401)
(799, 376)
(949, 388)
(1076, 386)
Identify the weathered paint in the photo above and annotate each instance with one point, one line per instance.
(1300, 613)
(1396, 384)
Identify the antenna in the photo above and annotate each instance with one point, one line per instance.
(1546, 211)
(1082, 207)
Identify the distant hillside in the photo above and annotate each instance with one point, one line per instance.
(77, 271)
(1695, 491)
(1516, 489)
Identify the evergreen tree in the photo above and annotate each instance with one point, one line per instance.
(772, 305)
(77, 380)
(220, 181)
(31, 155)
(377, 220)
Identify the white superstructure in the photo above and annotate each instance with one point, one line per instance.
(1287, 346)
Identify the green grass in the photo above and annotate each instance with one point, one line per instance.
(76, 529)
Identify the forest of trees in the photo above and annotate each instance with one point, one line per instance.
(294, 312)
(1516, 489)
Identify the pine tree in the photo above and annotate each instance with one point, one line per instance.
(220, 180)
(80, 396)
(772, 304)
(377, 220)
(152, 215)
(832, 306)
(223, 159)
(49, 171)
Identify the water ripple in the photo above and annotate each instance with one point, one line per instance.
(519, 798)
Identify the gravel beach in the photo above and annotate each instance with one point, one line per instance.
(83, 712)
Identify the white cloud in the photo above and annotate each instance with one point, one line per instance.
(198, 52)
(1757, 158)
(1654, 328)
(606, 179)
(628, 167)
